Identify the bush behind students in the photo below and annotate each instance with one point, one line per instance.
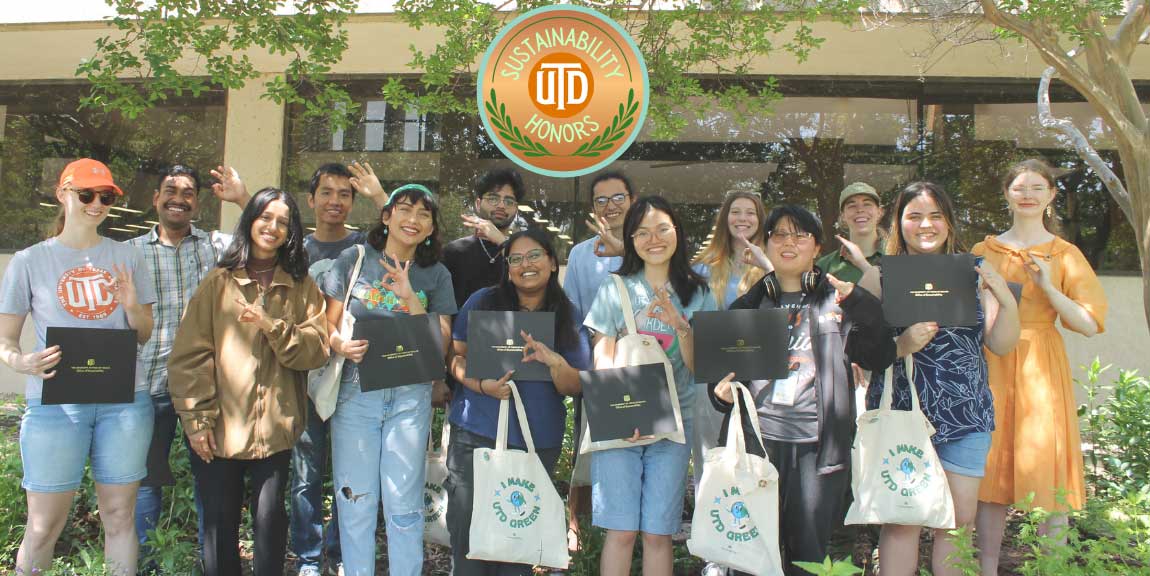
(529, 283)
(1036, 449)
(56, 441)
(807, 419)
(379, 437)
(949, 375)
(640, 490)
(237, 376)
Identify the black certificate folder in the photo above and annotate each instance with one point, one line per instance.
(97, 366)
(940, 288)
(401, 350)
(619, 400)
(494, 345)
(750, 343)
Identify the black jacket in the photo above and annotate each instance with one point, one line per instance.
(850, 331)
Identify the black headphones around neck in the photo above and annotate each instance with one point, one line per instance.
(808, 282)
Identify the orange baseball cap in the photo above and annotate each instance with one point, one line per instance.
(87, 173)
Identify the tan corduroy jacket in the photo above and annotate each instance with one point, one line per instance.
(248, 387)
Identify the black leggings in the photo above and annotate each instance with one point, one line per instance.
(221, 487)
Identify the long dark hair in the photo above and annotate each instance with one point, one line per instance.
(896, 244)
(291, 256)
(425, 254)
(684, 280)
(503, 295)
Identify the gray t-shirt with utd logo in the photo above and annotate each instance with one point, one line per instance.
(62, 286)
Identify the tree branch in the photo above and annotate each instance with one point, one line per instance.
(1130, 30)
(1081, 145)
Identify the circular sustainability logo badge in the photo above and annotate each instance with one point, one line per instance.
(563, 90)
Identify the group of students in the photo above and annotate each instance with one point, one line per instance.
(233, 324)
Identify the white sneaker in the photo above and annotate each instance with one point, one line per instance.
(310, 571)
(712, 569)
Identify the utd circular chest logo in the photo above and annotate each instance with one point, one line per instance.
(86, 293)
(563, 91)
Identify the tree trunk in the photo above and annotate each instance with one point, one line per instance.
(1136, 174)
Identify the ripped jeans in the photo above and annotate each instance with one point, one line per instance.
(379, 443)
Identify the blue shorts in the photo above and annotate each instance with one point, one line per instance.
(640, 488)
(966, 455)
(56, 442)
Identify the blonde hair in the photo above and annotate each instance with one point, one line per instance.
(718, 254)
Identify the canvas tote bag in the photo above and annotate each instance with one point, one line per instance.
(634, 349)
(323, 383)
(434, 494)
(517, 515)
(736, 518)
(897, 477)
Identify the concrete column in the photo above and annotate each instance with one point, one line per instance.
(254, 142)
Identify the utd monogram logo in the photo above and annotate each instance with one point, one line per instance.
(906, 471)
(563, 90)
(86, 293)
(929, 286)
(516, 502)
(729, 516)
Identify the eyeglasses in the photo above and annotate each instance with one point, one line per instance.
(494, 200)
(107, 197)
(663, 232)
(617, 199)
(782, 237)
(517, 260)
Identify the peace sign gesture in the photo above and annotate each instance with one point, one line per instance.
(752, 254)
(397, 277)
(254, 313)
(535, 351)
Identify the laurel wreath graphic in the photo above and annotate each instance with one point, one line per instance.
(619, 124)
(497, 113)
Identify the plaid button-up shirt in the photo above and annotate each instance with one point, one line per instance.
(177, 272)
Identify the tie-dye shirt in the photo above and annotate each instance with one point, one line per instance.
(372, 298)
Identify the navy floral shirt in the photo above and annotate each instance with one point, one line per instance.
(951, 378)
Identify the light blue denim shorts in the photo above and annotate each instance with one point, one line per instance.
(966, 455)
(57, 440)
(640, 488)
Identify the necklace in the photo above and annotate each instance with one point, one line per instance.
(490, 259)
(273, 267)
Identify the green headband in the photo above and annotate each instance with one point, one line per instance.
(406, 187)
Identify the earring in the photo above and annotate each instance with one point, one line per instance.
(385, 230)
(1050, 210)
(427, 242)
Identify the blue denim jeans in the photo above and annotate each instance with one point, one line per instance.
(379, 445)
(309, 539)
(150, 497)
